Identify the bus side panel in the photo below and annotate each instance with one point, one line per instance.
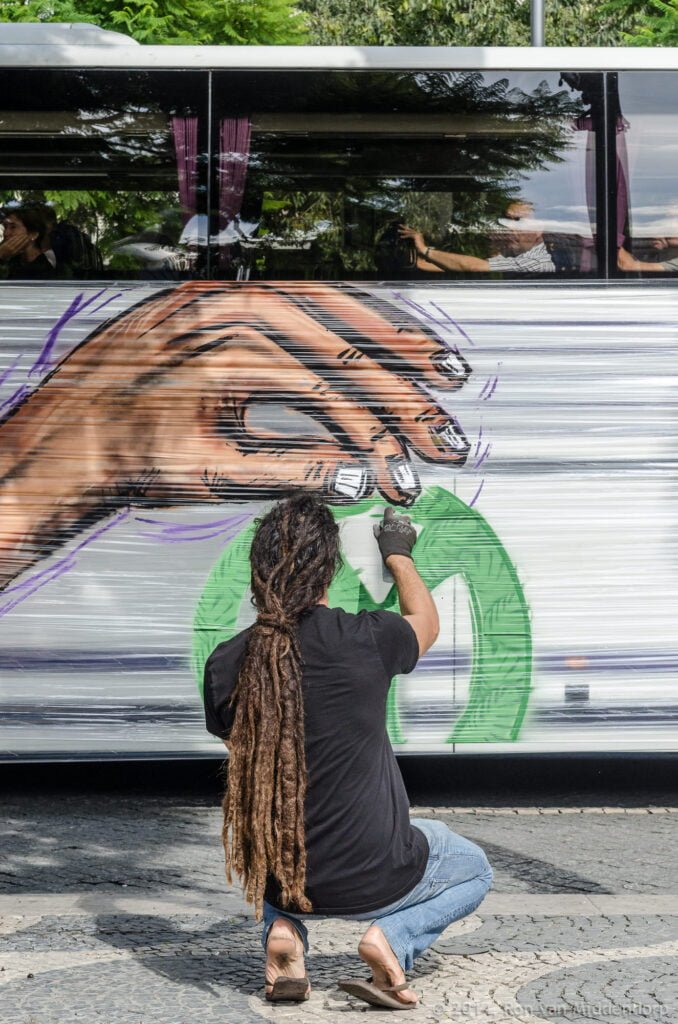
(530, 430)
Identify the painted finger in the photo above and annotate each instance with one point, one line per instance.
(251, 386)
(299, 350)
(399, 403)
(393, 337)
(328, 469)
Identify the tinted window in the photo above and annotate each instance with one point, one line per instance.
(115, 162)
(647, 144)
(311, 175)
(315, 173)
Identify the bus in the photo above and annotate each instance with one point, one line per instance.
(438, 278)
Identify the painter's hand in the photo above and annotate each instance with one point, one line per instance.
(395, 535)
(172, 404)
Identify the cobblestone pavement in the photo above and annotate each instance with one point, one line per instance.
(114, 910)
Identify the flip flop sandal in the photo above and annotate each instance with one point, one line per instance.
(289, 990)
(369, 992)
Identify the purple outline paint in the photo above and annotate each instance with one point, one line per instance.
(476, 495)
(445, 321)
(424, 314)
(226, 521)
(226, 533)
(44, 360)
(492, 389)
(9, 370)
(15, 398)
(448, 319)
(180, 533)
(36, 582)
(102, 305)
(485, 387)
(484, 456)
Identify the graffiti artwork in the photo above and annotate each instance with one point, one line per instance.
(211, 394)
(453, 539)
(156, 409)
(144, 429)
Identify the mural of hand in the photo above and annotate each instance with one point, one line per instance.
(163, 406)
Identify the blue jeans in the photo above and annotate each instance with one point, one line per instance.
(455, 882)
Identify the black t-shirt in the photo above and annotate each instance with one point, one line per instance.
(35, 269)
(362, 852)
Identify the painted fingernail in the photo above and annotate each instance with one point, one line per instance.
(452, 364)
(404, 476)
(450, 439)
(351, 481)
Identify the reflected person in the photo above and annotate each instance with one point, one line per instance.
(522, 242)
(22, 250)
(626, 261)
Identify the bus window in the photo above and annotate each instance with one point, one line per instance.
(109, 170)
(647, 142)
(404, 175)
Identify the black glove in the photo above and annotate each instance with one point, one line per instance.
(395, 535)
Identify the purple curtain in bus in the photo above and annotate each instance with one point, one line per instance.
(586, 124)
(234, 154)
(185, 132)
(622, 180)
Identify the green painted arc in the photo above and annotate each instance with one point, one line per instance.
(454, 540)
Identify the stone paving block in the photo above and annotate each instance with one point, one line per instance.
(634, 990)
(147, 930)
(120, 969)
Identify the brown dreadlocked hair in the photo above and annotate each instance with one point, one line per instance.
(294, 555)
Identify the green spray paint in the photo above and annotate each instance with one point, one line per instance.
(454, 540)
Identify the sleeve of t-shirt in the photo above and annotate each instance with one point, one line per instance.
(396, 642)
(218, 712)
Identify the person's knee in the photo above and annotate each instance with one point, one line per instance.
(485, 874)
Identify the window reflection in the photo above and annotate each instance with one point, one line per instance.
(113, 162)
(339, 175)
(647, 143)
(327, 169)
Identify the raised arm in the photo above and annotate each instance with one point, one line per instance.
(396, 537)
(430, 258)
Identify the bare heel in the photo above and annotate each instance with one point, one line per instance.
(282, 946)
(284, 959)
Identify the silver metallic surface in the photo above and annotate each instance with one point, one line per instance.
(490, 58)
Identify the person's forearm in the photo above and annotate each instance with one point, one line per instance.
(627, 262)
(413, 595)
(430, 268)
(640, 267)
(453, 260)
(416, 604)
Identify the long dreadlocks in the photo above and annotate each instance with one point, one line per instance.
(294, 555)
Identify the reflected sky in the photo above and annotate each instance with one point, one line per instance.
(648, 105)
